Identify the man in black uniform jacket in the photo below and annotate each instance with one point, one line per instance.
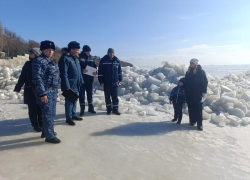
(86, 60)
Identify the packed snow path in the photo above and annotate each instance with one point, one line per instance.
(103, 147)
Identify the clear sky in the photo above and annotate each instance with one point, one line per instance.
(142, 32)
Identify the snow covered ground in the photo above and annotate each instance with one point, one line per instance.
(142, 143)
(121, 147)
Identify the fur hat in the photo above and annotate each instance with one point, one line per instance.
(36, 51)
(86, 48)
(73, 45)
(111, 50)
(195, 61)
(47, 45)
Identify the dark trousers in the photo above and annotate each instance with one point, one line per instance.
(111, 90)
(89, 89)
(195, 113)
(177, 111)
(35, 114)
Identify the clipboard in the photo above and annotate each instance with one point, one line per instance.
(70, 95)
(90, 70)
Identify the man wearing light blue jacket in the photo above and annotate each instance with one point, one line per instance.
(71, 79)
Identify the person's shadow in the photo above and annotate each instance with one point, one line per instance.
(12, 127)
(144, 129)
(15, 127)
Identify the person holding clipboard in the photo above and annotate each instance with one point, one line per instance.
(87, 63)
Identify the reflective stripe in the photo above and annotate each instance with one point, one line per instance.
(115, 105)
(116, 63)
(108, 105)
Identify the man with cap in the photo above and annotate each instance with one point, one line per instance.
(110, 77)
(86, 60)
(70, 72)
(196, 89)
(46, 78)
(34, 110)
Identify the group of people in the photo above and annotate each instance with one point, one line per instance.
(42, 76)
(191, 90)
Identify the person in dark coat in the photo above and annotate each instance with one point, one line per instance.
(34, 110)
(86, 60)
(178, 98)
(110, 77)
(46, 78)
(70, 72)
(196, 89)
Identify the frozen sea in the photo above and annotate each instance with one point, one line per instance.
(223, 70)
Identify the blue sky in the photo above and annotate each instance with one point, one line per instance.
(142, 32)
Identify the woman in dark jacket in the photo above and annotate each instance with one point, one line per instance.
(35, 114)
(196, 89)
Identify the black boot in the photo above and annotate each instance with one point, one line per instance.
(200, 128)
(192, 124)
(178, 122)
(37, 129)
(54, 140)
(81, 114)
(77, 118)
(174, 120)
(92, 111)
(108, 112)
(70, 122)
(82, 111)
(116, 113)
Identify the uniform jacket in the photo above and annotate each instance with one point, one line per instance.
(196, 84)
(87, 61)
(70, 73)
(178, 95)
(109, 71)
(45, 75)
(26, 78)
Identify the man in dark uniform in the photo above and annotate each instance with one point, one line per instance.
(110, 77)
(86, 60)
(46, 78)
(35, 113)
(70, 72)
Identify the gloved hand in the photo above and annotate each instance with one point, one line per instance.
(203, 98)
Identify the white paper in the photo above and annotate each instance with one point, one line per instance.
(90, 70)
